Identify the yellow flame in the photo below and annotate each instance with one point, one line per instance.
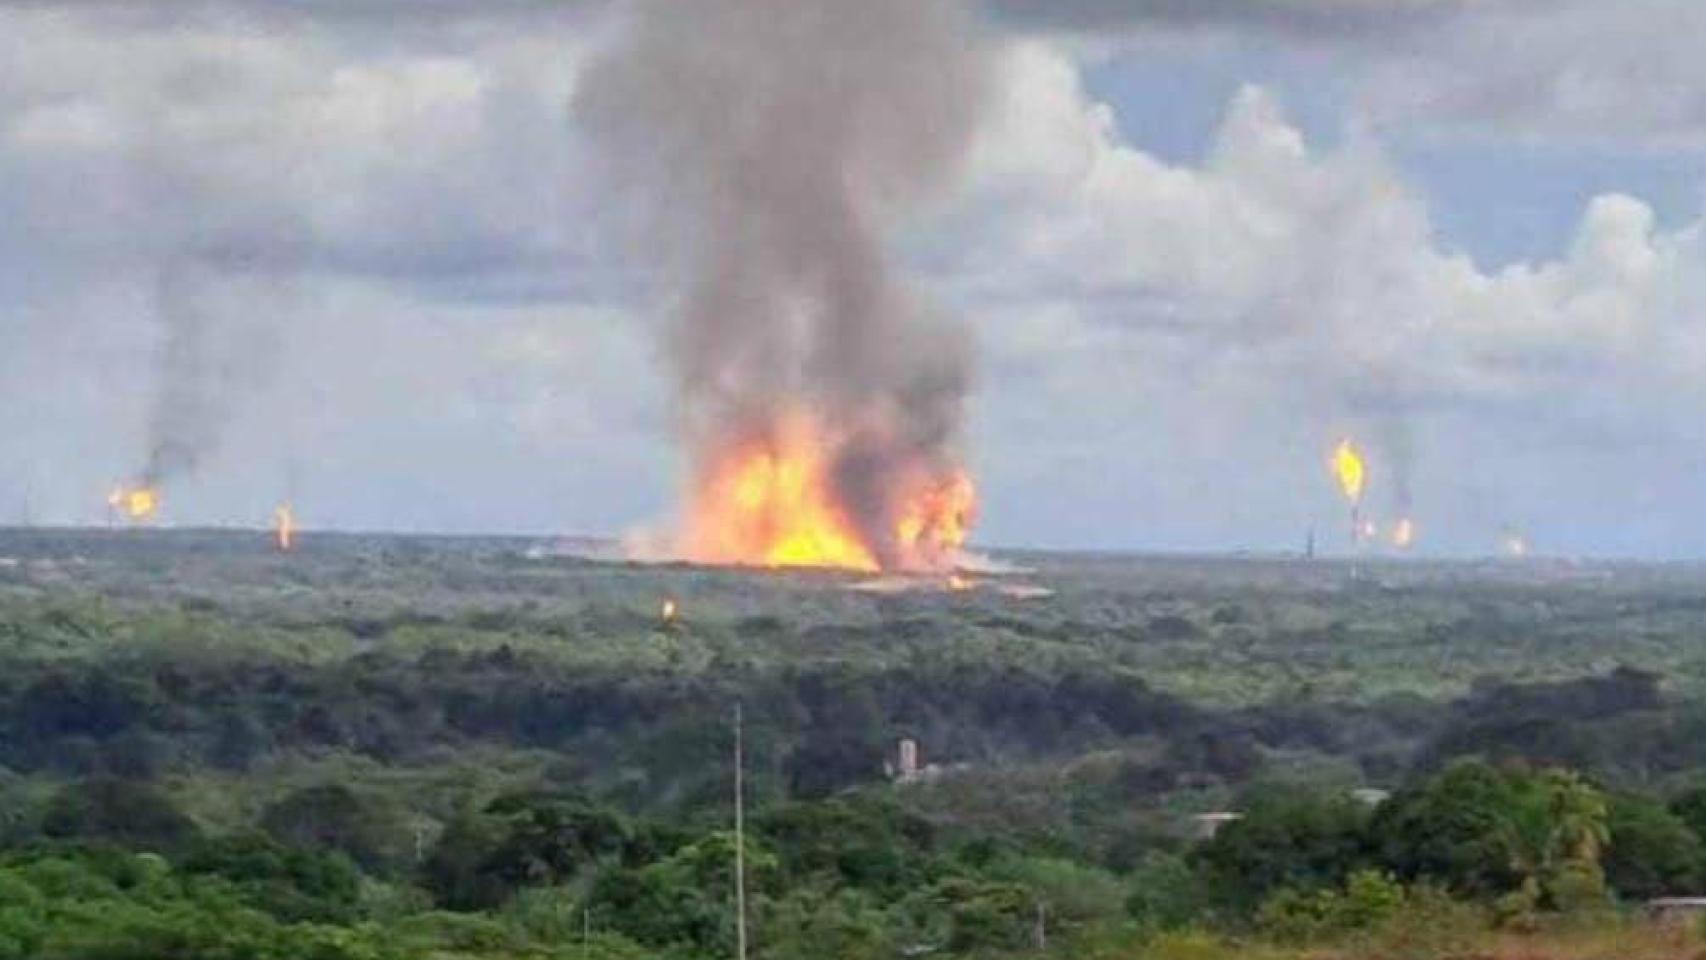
(136, 503)
(1404, 534)
(773, 502)
(284, 526)
(669, 611)
(1348, 470)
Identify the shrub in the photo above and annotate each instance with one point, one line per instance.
(1367, 900)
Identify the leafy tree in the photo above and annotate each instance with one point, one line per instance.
(456, 870)
(1690, 808)
(292, 884)
(520, 840)
(1452, 828)
(686, 899)
(1555, 833)
(869, 843)
(547, 838)
(1367, 899)
(1289, 836)
(1070, 893)
(1165, 893)
(117, 811)
(963, 913)
(334, 817)
(1652, 852)
(810, 923)
(1487, 832)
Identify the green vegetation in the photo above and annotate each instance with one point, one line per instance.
(406, 747)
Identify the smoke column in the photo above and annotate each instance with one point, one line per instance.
(185, 420)
(219, 343)
(772, 149)
(232, 254)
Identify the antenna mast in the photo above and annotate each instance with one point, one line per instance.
(740, 842)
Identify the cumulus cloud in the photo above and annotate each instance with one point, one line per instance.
(1170, 344)
(1271, 244)
(1314, 20)
(1614, 75)
(1306, 288)
(388, 211)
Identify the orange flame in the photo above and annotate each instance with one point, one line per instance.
(284, 526)
(772, 503)
(1404, 534)
(1348, 469)
(136, 503)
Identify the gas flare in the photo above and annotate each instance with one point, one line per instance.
(1404, 534)
(780, 501)
(284, 526)
(138, 504)
(1514, 543)
(1348, 470)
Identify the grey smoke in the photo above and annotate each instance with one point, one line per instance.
(772, 149)
(217, 309)
(184, 422)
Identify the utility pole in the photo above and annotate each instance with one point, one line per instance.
(740, 842)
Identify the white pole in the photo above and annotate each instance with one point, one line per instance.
(740, 843)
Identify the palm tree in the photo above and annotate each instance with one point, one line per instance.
(1558, 823)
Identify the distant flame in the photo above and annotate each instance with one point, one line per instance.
(1515, 544)
(669, 611)
(773, 502)
(1348, 470)
(136, 503)
(1404, 534)
(959, 584)
(284, 526)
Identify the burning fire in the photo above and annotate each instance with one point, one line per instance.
(1348, 470)
(774, 503)
(669, 611)
(1515, 544)
(1404, 534)
(136, 503)
(284, 526)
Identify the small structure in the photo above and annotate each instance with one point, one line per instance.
(1676, 911)
(1206, 825)
(907, 770)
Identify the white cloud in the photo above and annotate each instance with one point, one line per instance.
(1615, 75)
(1271, 243)
(1168, 345)
(1282, 291)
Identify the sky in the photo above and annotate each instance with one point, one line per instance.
(1196, 241)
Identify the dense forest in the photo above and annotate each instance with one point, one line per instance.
(405, 747)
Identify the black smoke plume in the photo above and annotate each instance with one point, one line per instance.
(772, 150)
